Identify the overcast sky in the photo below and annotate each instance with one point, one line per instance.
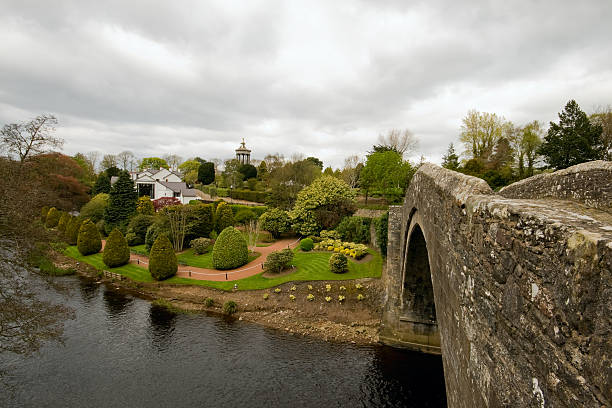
(320, 78)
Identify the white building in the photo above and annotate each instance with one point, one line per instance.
(163, 183)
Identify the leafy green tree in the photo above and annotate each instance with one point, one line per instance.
(122, 202)
(262, 170)
(286, 179)
(322, 205)
(112, 171)
(248, 171)
(480, 133)
(206, 173)
(573, 140)
(102, 185)
(200, 221)
(145, 206)
(450, 160)
(603, 117)
(94, 209)
(89, 241)
(190, 169)
(316, 162)
(275, 221)
(230, 250)
(531, 140)
(153, 163)
(138, 226)
(386, 172)
(116, 251)
(224, 217)
(162, 259)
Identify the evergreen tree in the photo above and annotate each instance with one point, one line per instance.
(102, 185)
(122, 201)
(450, 160)
(206, 173)
(116, 252)
(248, 171)
(573, 140)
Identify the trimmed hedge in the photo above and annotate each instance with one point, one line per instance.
(275, 221)
(258, 210)
(243, 217)
(248, 195)
(88, 241)
(230, 250)
(278, 260)
(306, 244)
(224, 217)
(116, 251)
(162, 259)
(338, 263)
(53, 217)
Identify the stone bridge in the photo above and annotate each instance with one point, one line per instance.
(512, 288)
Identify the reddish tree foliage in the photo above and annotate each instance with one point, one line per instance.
(165, 202)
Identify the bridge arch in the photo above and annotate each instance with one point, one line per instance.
(520, 282)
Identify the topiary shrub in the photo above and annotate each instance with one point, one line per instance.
(230, 250)
(162, 259)
(275, 221)
(278, 260)
(306, 244)
(200, 221)
(201, 245)
(101, 225)
(53, 217)
(224, 217)
(63, 222)
(116, 251)
(43, 214)
(88, 241)
(338, 263)
(72, 230)
(244, 216)
(230, 307)
(94, 209)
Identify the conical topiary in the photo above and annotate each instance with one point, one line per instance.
(116, 251)
(89, 241)
(43, 214)
(72, 230)
(224, 217)
(53, 217)
(162, 259)
(63, 222)
(230, 249)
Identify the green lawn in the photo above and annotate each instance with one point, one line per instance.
(204, 260)
(310, 266)
(140, 250)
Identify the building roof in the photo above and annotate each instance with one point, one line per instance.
(242, 148)
(179, 187)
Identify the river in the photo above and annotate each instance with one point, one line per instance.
(120, 351)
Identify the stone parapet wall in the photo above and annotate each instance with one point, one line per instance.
(589, 183)
(523, 293)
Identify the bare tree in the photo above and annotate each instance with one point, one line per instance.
(480, 133)
(126, 160)
(31, 138)
(252, 230)
(402, 141)
(177, 215)
(351, 170)
(93, 158)
(108, 161)
(173, 160)
(603, 117)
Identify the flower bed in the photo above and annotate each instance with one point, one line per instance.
(356, 251)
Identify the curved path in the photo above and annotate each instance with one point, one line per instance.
(252, 268)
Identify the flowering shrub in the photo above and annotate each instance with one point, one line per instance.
(360, 297)
(201, 245)
(277, 290)
(165, 202)
(328, 299)
(338, 263)
(331, 234)
(356, 251)
(341, 298)
(342, 288)
(310, 297)
(309, 287)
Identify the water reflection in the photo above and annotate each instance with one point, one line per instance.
(89, 289)
(116, 302)
(162, 322)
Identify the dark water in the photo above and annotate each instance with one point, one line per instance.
(122, 352)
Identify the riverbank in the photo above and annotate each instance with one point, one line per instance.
(354, 319)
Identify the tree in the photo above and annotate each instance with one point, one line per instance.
(386, 172)
(122, 202)
(177, 217)
(145, 206)
(480, 133)
(531, 139)
(400, 141)
(30, 138)
(603, 118)
(162, 259)
(315, 161)
(95, 208)
(351, 171)
(286, 179)
(125, 160)
(262, 170)
(573, 140)
(116, 251)
(108, 161)
(450, 160)
(206, 173)
(200, 221)
(93, 158)
(103, 184)
(322, 205)
(275, 221)
(152, 163)
(89, 241)
(173, 160)
(89, 174)
(190, 169)
(248, 171)
(224, 217)
(53, 217)
(230, 250)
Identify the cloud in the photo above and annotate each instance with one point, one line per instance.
(318, 78)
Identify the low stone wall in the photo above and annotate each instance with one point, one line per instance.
(589, 183)
(522, 289)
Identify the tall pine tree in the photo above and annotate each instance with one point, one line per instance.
(102, 185)
(450, 160)
(573, 140)
(122, 202)
(206, 173)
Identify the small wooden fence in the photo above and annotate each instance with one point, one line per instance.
(113, 275)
